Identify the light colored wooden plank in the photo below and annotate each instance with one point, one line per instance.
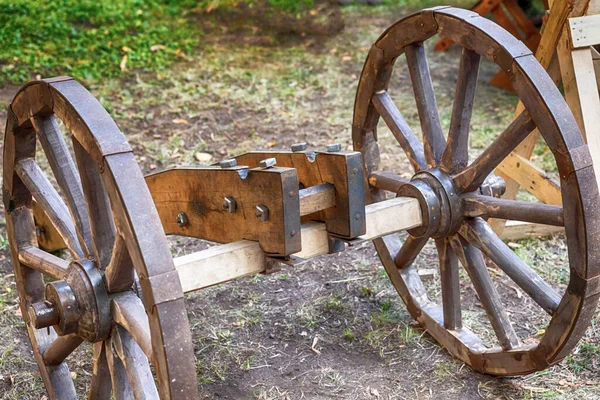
(584, 31)
(516, 230)
(531, 178)
(230, 261)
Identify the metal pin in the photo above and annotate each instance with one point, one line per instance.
(182, 219)
(228, 163)
(267, 163)
(229, 204)
(262, 212)
(299, 147)
(334, 148)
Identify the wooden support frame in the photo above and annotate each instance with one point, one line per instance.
(230, 261)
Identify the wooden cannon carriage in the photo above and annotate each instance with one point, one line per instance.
(120, 289)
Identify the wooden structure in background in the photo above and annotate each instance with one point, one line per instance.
(509, 15)
(566, 52)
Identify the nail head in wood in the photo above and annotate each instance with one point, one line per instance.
(182, 219)
(228, 163)
(334, 148)
(267, 163)
(297, 147)
(262, 212)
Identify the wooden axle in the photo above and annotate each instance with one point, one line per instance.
(238, 259)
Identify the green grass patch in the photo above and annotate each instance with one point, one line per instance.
(92, 38)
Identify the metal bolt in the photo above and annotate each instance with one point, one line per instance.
(228, 163)
(299, 147)
(262, 212)
(267, 163)
(229, 204)
(182, 219)
(334, 148)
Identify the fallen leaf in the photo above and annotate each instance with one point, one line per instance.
(203, 157)
(514, 245)
(271, 144)
(123, 64)
(314, 343)
(374, 392)
(180, 121)
(157, 47)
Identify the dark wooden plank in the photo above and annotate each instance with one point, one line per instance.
(135, 363)
(67, 177)
(120, 272)
(51, 202)
(450, 283)
(433, 137)
(61, 348)
(456, 153)
(537, 213)
(43, 262)
(473, 176)
(400, 129)
(100, 386)
(481, 235)
(121, 388)
(472, 260)
(409, 251)
(98, 206)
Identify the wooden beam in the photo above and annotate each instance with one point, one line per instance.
(584, 31)
(230, 261)
(531, 178)
(516, 230)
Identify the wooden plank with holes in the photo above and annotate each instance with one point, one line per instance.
(190, 202)
(584, 31)
(342, 169)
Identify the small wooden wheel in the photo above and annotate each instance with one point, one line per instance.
(456, 197)
(111, 229)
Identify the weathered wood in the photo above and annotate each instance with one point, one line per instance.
(456, 153)
(98, 206)
(473, 262)
(128, 311)
(67, 177)
(51, 202)
(317, 198)
(48, 237)
(538, 213)
(343, 169)
(387, 181)
(100, 386)
(473, 176)
(383, 217)
(584, 31)
(400, 129)
(449, 280)
(120, 383)
(120, 272)
(199, 193)
(481, 235)
(409, 251)
(517, 230)
(431, 126)
(46, 263)
(61, 348)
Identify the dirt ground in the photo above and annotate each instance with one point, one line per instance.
(333, 328)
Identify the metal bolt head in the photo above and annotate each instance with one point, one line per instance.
(267, 163)
(229, 204)
(262, 212)
(299, 147)
(182, 219)
(228, 163)
(334, 148)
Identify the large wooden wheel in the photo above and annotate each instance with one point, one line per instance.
(108, 221)
(456, 196)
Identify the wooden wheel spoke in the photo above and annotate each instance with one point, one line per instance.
(100, 387)
(450, 285)
(65, 172)
(387, 181)
(61, 348)
(433, 137)
(472, 259)
(537, 213)
(135, 363)
(50, 201)
(400, 129)
(481, 235)
(128, 311)
(456, 153)
(473, 176)
(120, 382)
(43, 262)
(98, 205)
(409, 251)
(120, 272)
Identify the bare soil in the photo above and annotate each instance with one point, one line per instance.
(333, 328)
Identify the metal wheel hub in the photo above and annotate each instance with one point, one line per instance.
(77, 304)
